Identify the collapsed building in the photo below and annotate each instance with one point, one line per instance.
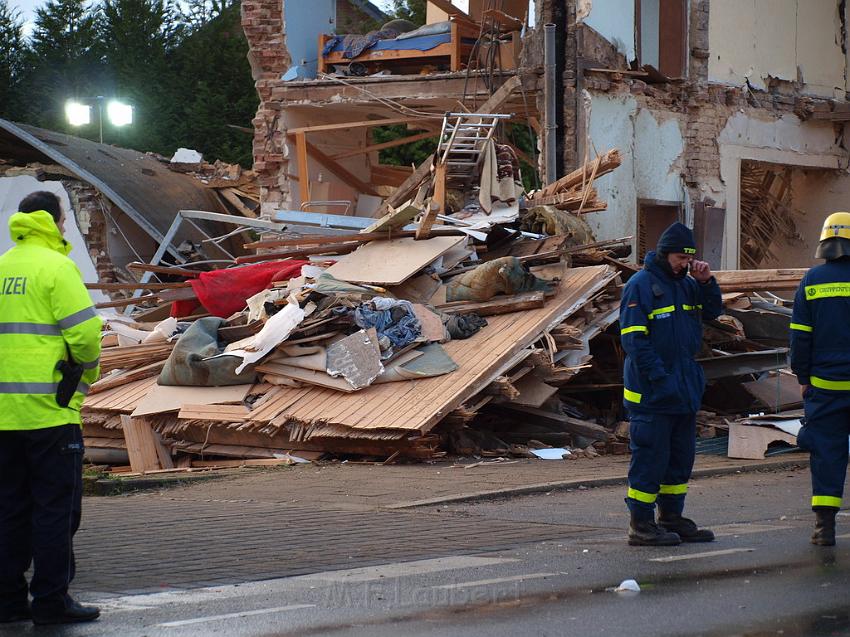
(730, 116)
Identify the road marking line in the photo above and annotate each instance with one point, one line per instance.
(744, 528)
(247, 613)
(282, 585)
(497, 580)
(405, 569)
(696, 556)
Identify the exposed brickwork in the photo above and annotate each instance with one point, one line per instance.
(262, 21)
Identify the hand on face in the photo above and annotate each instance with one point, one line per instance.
(700, 270)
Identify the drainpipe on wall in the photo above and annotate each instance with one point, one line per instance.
(550, 92)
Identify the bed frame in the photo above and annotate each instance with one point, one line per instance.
(456, 51)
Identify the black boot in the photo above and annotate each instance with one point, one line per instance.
(645, 532)
(684, 528)
(72, 612)
(824, 534)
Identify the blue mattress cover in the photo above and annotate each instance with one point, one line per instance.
(418, 43)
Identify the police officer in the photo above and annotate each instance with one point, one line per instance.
(661, 316)
(47, 322)
(820, 357)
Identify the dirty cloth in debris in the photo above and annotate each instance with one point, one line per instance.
(500, 176)
(328, 285)
(394, 320)
(424, 362)
(189, 363)
(224, 292)
(549, 220)
(500, 276)
(461, 326)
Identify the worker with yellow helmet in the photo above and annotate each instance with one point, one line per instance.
(820, 357)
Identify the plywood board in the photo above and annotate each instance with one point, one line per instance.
(218, 413)
(164, 398)
(417, 289)
(421, 404)
(533, 392)
(432, 325)
(391, 262)
(122, 399)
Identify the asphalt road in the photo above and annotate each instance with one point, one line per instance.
(761, 577)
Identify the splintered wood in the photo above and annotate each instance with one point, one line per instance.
(575, 191)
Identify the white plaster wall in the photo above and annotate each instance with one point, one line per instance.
(615, 20)
(757, 39)
(650, 145)
(13, 189)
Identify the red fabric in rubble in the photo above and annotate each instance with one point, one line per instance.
(223, 292)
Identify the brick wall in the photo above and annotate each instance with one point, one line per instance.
(262, 21)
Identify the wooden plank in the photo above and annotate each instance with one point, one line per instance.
(339, 248)
(533, 392)
(403, 192)
(562, 421)
(222, 413)
(438, 203)
(401, 141)
(118, 380)
(327, 240)
(759, 280)
(498, 99)
(165, 398)
(496, 305)
(303, 167)
(120, 287)
(391, 262)
(141, 444)
(365, 123)
(309, 376)
(337, 169)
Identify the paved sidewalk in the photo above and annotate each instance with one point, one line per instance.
(368, 486)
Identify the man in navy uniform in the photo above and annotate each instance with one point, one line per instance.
(661, 316)
(820, 357)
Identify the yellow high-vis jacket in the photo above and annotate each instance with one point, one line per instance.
(45, 312)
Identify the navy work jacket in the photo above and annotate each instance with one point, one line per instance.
(820, 327)
(661, 331)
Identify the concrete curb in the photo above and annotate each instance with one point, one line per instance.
(104, 487)
(564, 485)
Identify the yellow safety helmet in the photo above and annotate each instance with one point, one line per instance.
(836, 225)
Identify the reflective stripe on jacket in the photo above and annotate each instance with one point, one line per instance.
(45, 312)
(661, 332)
(820, 339)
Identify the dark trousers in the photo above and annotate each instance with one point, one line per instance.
(663, 448)
(41, 485)
(825, 437)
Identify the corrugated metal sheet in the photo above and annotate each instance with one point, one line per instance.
(141, 186)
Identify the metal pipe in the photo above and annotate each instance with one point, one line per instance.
(550, 91)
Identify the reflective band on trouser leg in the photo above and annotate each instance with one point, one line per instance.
(642, 496)
(834, 385)
(631, 396)
(673, 489)
(826, 501)
(634, 328)
(661, 310)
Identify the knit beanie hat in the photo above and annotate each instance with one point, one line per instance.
(677, 238)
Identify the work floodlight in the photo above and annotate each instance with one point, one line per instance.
(119, 114)
(77, 114)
